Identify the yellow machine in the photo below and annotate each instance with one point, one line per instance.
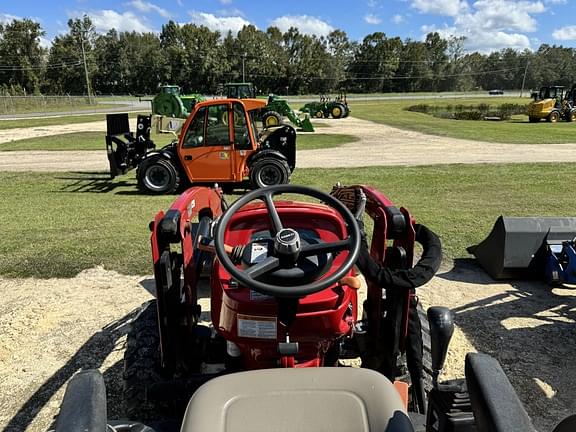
(552, 104)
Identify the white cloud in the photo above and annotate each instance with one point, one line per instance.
(146, 7)
(45, 43)
(304, 23)
(565, 33)
(372, 19)
(556, 2)
(221, 24)
(397, 19)
(491, 25)
(107, 19)
(440, 7)
(503, 15)
(7, 18)
(225, 2)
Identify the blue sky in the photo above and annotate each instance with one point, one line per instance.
(488, 24)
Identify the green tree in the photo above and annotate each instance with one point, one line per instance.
(21, 56)
(65, 69)
(437, 59)
(414, 73)
(375, 63)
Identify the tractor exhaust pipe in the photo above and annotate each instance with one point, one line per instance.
(441, 323)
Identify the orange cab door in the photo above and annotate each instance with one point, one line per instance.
(243, 138)
(206, 149)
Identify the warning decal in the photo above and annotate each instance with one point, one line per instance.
(256, 327)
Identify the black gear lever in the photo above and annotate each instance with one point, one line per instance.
(441, 323)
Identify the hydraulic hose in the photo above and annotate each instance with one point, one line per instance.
(420, 274)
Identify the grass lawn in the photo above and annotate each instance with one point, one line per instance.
(72, 141)
(34, 108)
(517, 130)
(96, 141)
(57, 224)
(317, 141)
(48, 121)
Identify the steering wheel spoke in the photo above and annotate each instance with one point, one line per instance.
(317, 248)
(287, 245)
(265, 266)
(273, 214)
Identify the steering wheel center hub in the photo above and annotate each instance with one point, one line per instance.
(287, 243)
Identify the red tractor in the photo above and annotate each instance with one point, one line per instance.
(283, 298)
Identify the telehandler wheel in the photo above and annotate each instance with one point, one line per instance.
(553, 117)
(269, 172)
(158, 175)
(337, 111)
(142, 366)
(271, 118)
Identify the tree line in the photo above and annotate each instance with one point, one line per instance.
(200, 60)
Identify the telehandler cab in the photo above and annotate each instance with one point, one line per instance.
(219, 142)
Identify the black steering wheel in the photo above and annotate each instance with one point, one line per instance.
(288, 249)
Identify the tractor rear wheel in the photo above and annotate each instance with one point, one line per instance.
(553, 117)
(337, 111)
(158, 175)
(269, 172)
(271, 118)
(142, 366)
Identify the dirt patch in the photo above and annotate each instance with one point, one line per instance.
(383, 144)
(50, 329)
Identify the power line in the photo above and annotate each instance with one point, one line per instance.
(18, 68)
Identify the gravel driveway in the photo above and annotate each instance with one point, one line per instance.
(378, 145)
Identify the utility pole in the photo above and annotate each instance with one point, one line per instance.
(243, 63)
(85, 67)
(524, 79)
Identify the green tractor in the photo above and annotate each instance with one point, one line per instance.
(274, 112)
(337, 108)
(278, 108)
(170, 103)
(241, 90)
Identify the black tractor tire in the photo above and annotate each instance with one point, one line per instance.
(571, 116)
(142, 366)
(553, 117)
(337, 111)
(157, 176)
(426, 359)
(319, 114)
(533, 119)
(271, 118)
(346, 110)
(269, 172)
(427, 348)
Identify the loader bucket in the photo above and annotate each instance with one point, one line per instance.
(306, 125)
(516, 246)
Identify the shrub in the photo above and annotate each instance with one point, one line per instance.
(468, 115)
(422, 108)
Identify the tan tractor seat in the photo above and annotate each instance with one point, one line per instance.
(297, 400)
